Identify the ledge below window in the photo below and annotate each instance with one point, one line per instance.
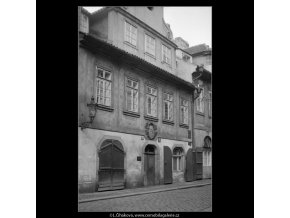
(200, 113)
(131, 45)
(168, 122)
(184, 126)
(154, 119)
(131, 114)
(104, 108)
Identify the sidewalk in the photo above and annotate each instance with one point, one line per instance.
(140, 191)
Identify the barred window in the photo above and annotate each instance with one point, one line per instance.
(132, 95)
(149, 45)
(177, 159)
(103, 84)
(151, 101)
(166, 54)
(130, 34)
(184, 112)
(167, 107)
(200, 102)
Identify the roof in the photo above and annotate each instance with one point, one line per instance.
(95, 45)
(198, 49)
(103, 10)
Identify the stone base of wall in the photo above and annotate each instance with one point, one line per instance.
(206, 172)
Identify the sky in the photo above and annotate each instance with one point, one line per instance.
(193, 24)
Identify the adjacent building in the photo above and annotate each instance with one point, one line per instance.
(143, 128)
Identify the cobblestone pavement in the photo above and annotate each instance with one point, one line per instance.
(182, 200)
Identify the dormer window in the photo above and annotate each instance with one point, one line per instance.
(150, 8)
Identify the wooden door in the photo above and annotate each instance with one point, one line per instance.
(150, 169)
(111, 166)
(189, 166)
(199, 163)
(167, 165)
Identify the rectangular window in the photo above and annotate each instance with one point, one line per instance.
(132, 95)
(103, 84)
(184, 112)
(209, 104)
(130, 34)
(149, 45)
(166, 54)
(167, 107)
(84, 23)
(200, 102)
(151, 101)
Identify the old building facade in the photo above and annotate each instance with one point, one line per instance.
(142, 131)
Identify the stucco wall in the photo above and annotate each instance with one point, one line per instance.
(90, 142)
(185, 69)
(116, 35)
(152, 18)
(116, 120)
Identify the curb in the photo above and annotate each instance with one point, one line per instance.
(141, 193)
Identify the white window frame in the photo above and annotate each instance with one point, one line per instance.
(184, 114)
(103, 92)
(148, 45)
(200, 102)
(150, 95)
(179, 160)
(168, 99)
(134, 101)
(167, 52)
(130, 39)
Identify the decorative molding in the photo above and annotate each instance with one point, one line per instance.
(184, 126)
(151, 131)
(130, 113)
(147, 117)
(104, 108)
(168, 122)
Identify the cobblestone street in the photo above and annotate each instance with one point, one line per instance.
(182, 200)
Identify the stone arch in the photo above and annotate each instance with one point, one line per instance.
(98, 148)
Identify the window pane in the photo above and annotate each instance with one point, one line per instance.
(170, 111)
(148, 105)
(129, 99)
(166, 110)
(174, 163)
(108, 76)
(135, 101)
(100, 73)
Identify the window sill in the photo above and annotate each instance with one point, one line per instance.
(131, 45)
(163, 62)
(200, 113)
(168, 122)
(184, 126)
(105, 108)
(131, 114)
(150, 118)
(150, 55)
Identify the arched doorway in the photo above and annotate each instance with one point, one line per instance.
(149, 165)
(111, 165)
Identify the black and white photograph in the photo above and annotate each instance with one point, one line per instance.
(145, 109)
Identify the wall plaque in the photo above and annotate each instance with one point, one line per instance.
(150, 130)
(138, 158)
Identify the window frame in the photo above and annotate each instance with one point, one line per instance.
(126, 87)
(146, 52)
(181, 122)
(180, 165)
(95, 89)
(162, 56)
(125, 33)
(200, 101)
(163, 106)
(146, 105)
